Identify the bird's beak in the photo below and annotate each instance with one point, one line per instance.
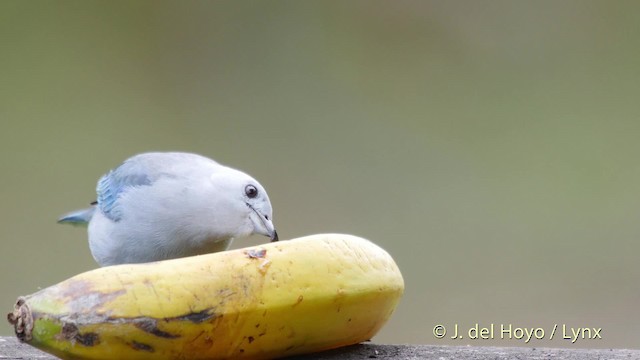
(270, 230)
(264, 226)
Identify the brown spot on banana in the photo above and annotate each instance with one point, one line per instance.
(150, 326)
(141, 347)
(196, 317)
(71, 333)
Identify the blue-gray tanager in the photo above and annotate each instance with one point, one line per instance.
(158, 206)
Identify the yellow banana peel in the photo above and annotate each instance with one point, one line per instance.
(280, 299)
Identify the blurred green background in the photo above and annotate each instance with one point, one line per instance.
(490, 146)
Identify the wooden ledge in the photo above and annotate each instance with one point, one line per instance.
(10, 348)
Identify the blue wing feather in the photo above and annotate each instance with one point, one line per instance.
(140, 170)
(113, 184)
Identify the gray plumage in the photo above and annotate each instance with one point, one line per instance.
(158, 206)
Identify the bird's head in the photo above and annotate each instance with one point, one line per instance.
(243, 203)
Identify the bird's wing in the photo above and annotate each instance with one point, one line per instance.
(129, 175)
(144, 170)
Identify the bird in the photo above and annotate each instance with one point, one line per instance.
(165, 205)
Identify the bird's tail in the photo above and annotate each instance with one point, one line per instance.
(78, 217)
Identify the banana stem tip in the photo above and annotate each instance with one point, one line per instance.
(22, 320)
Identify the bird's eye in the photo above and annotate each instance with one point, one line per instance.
(251, 191)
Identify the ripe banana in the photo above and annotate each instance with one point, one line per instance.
(279, 299)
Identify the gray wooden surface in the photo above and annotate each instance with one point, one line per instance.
(10, 348)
